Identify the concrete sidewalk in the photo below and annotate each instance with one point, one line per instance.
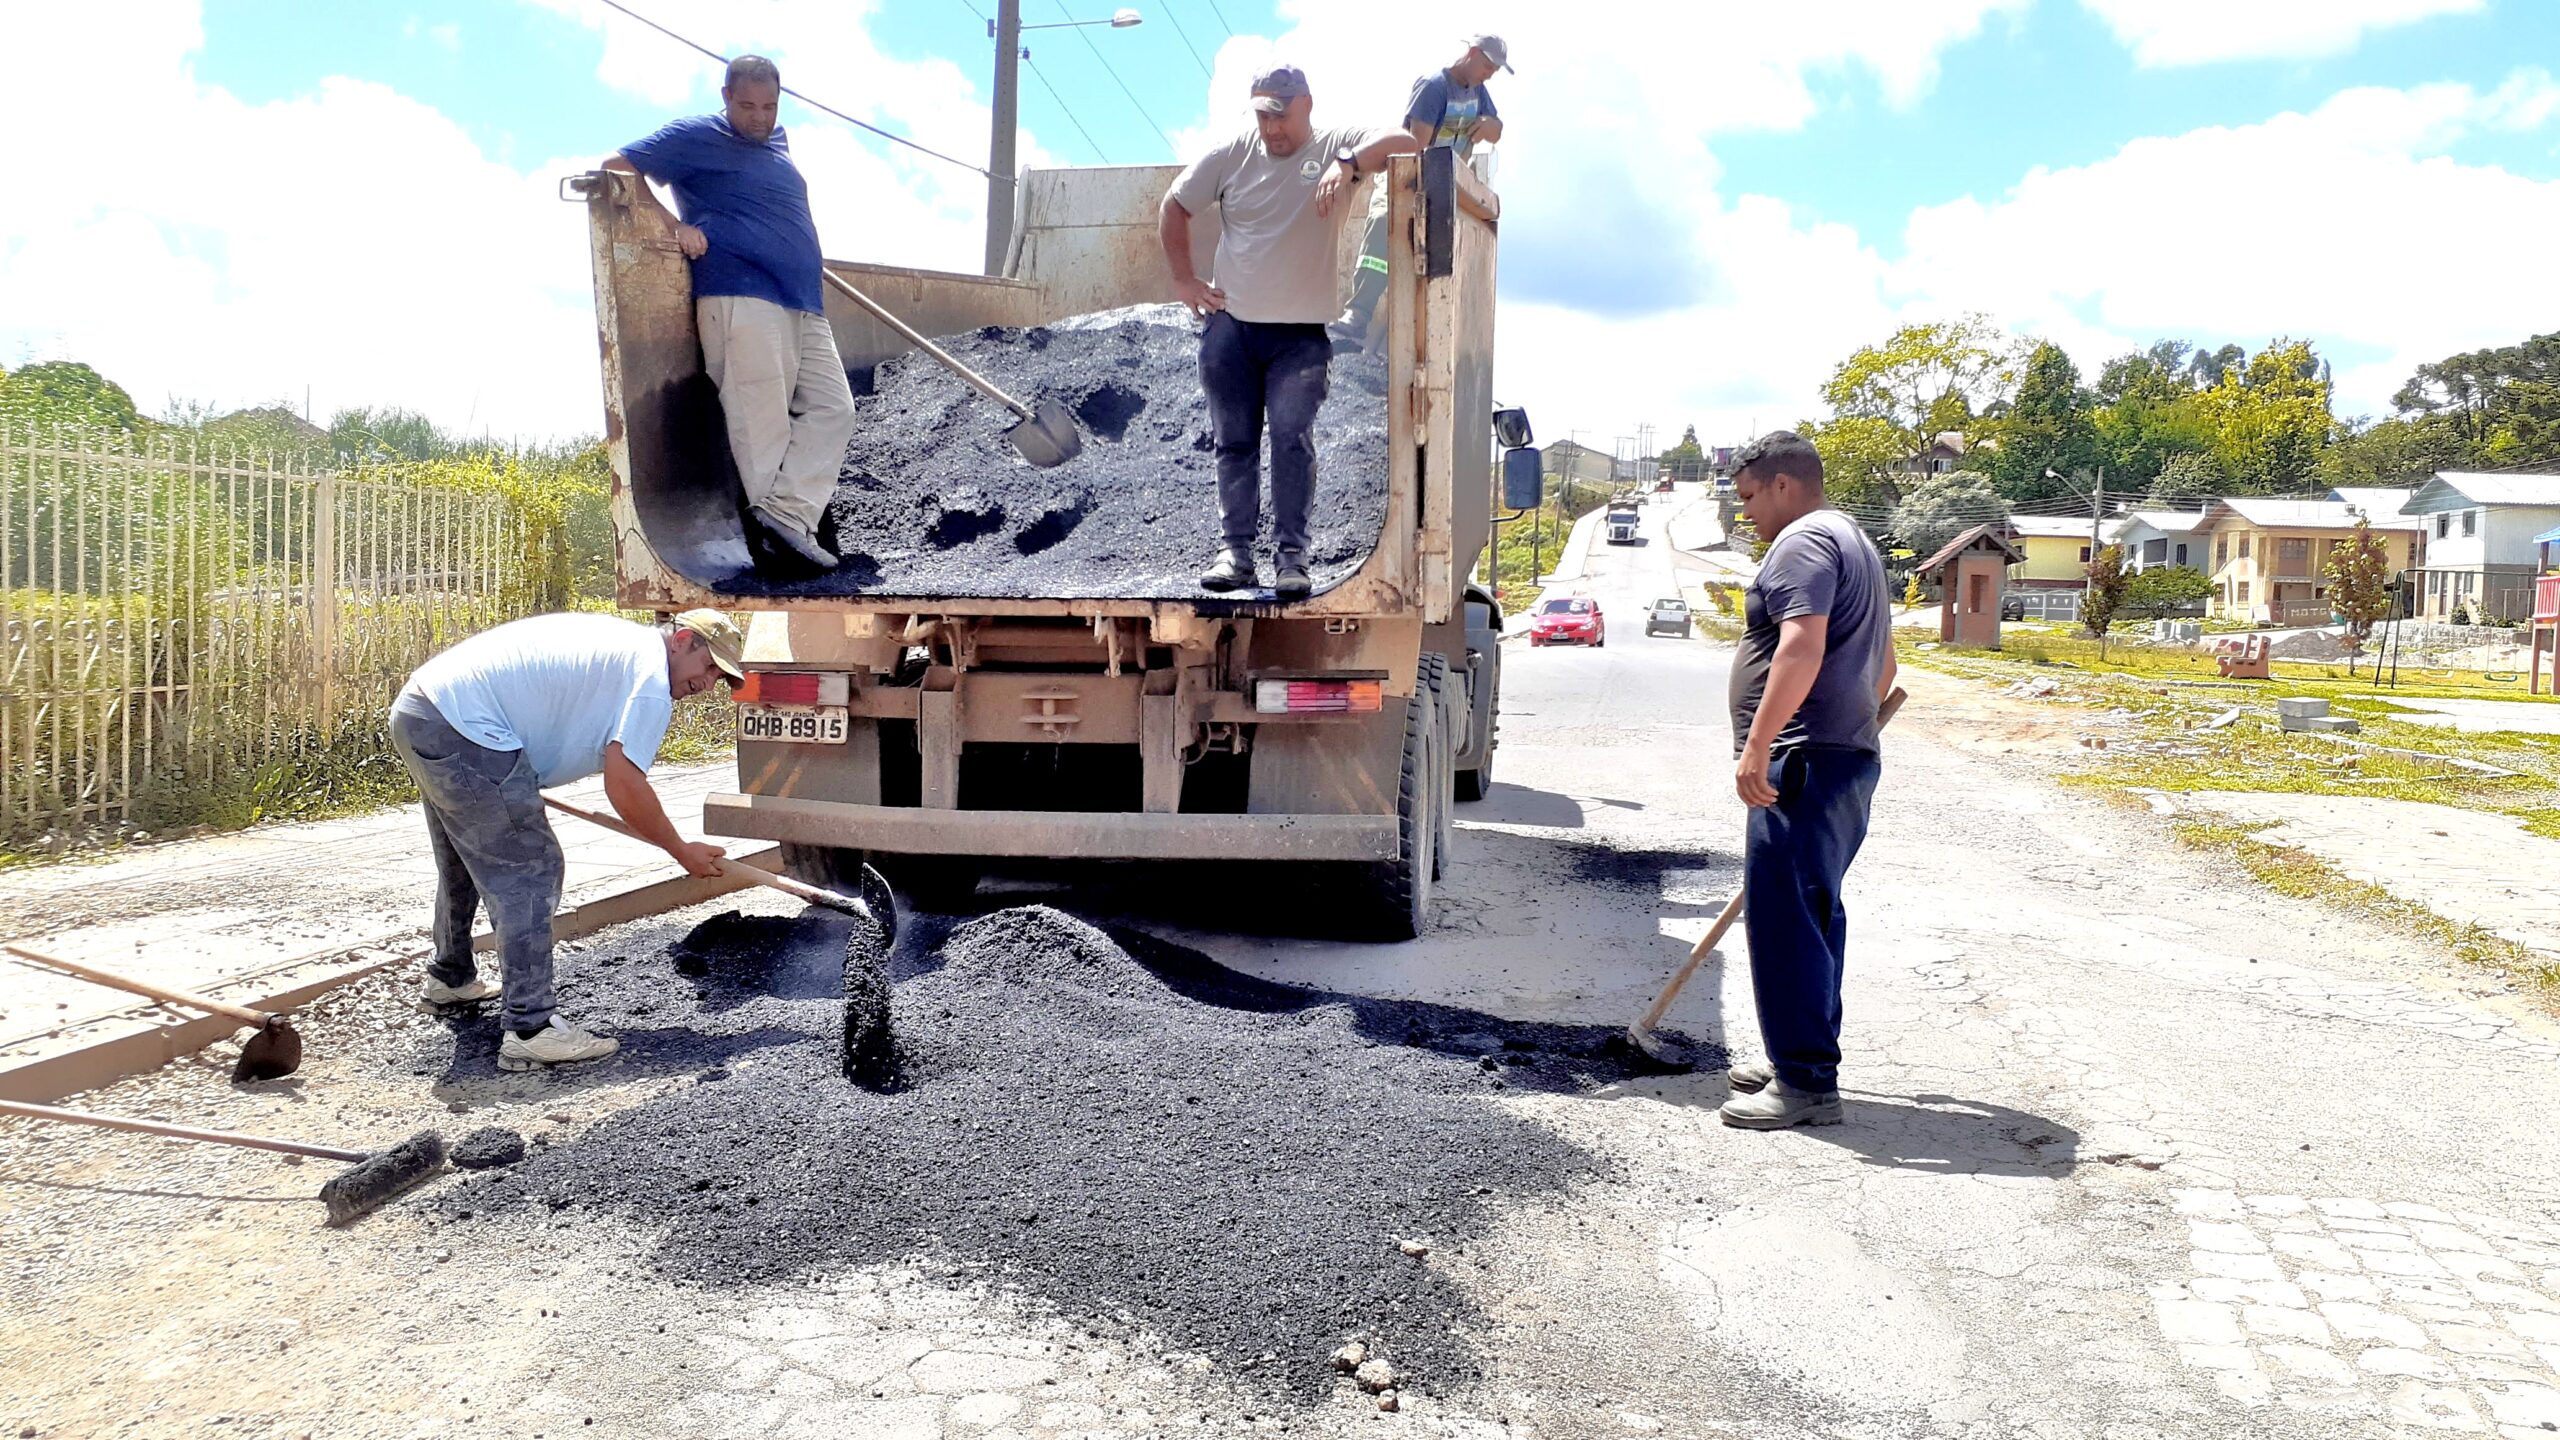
(271, 917)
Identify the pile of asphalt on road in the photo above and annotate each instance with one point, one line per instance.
(1099, 1122)
(935, 501)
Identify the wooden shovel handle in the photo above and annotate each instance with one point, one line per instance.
(907, 332)
(810, 894)
(180, 1132)
(114, 981)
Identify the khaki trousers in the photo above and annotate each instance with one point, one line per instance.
(789, 409)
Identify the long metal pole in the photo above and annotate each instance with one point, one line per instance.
(1000, 173)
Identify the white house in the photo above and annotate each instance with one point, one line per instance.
(2154, 538)
(2376, 501)
(2480, 531)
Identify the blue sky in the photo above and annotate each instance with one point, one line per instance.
(1708, 204)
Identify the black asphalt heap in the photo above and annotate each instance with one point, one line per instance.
(1105, 1123)
(935, 502)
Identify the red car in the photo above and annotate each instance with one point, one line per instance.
(1572, 621)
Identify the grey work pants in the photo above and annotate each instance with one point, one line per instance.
(788, 405)
(493, 846)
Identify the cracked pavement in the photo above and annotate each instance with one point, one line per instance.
(2134, 1150)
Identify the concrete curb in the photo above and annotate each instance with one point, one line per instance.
(147, 1036)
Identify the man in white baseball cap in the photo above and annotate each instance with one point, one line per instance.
(1276, 281)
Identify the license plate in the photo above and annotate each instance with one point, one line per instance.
(793, 724)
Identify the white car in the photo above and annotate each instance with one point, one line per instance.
(1667, 616)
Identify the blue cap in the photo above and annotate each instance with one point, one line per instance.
(1274, 88)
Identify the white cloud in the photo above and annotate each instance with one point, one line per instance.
(2346, 226)
(2197, 32)
(359, 243)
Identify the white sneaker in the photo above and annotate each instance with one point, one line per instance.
(480, 988)
(558, 1043)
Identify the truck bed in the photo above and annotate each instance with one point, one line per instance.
(934, 503)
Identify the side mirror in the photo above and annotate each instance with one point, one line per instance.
(1523, 483)
(1511, 427)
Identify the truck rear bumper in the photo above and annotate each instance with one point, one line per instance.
(1051, 835)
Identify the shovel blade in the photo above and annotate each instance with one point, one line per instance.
(1049, 438)
(273, 1052)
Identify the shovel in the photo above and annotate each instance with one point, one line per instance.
(1046, 437)
(275, 1050)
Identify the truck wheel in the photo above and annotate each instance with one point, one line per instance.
(1394, 896)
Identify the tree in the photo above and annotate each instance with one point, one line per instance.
(1914, 382)
(2107, 582)
(2165, 590)
(2270, 418)
(65, 392)
(2359, 574)
(2048, 427)
(2188, 477)
(1686, 460)
(1860, 459)
(2208, 367)
(1938, 508)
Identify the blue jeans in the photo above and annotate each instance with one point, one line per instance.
(1795, 854)
(494, 846)
(1257, 374)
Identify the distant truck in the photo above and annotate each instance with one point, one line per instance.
(942, 733)
(1621, 521)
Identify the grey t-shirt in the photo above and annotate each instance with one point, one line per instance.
(1823, 564)
(1278, 261)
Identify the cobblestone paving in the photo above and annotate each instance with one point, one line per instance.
(2430, 1321)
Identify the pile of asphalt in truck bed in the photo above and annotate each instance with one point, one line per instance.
(935, 501)
(1100, 1122)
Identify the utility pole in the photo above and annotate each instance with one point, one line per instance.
(1000, 166)
(2089, 576)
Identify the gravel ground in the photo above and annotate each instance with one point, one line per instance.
(934, 500)
(1116, 1127)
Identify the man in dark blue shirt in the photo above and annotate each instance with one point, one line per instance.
(1815, 662)
(759, 301)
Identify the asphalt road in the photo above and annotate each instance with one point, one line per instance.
(2134, 1150)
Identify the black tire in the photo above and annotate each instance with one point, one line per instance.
(1392, 898)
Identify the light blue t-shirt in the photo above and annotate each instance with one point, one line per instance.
(1451, 110)
(558, 687)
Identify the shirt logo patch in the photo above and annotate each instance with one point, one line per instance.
(1312, 168)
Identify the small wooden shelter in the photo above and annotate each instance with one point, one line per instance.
(1971, 574)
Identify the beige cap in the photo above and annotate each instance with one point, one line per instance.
(728, 647)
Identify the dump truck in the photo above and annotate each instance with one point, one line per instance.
(942, 735)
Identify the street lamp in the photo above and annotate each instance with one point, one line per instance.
(1006, 29)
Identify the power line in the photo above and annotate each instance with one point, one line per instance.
(1070, 114)
(1106, 66)
(1186, 37)
(1222, 19)
(820, 105)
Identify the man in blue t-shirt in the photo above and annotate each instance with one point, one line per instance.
(1814, 664)
(483, 727)
(1451, 107)
(760, 301)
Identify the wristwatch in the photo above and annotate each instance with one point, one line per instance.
(1348, 159)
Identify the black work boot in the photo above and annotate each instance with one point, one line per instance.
(786, 549)
(1291, 583)
(1233, 570)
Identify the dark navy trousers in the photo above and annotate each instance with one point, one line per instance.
(1795, 855)
(1259, 375)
